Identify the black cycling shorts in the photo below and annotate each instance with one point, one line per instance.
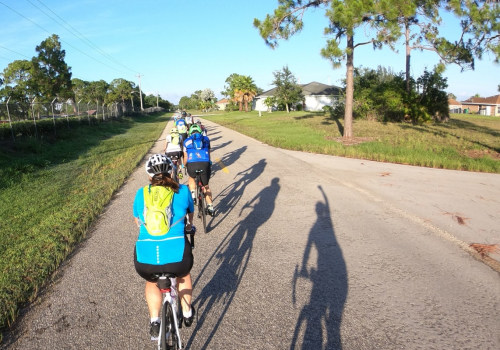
(180, 269)
(177, 154)
(205, 166)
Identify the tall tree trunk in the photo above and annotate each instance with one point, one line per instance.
(408, 50)
(349, 93)
(287, 110)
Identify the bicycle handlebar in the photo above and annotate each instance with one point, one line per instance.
(191, 235)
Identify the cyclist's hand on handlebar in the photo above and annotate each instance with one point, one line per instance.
(190, 231)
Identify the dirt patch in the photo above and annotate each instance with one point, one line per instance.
(485, 249)
(483, 153)
(351, 141)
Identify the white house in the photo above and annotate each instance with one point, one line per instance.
(222, 104)
(316, 96)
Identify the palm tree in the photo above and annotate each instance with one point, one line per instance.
(244, 91)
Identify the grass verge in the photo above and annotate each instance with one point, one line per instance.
(466, 142)
(52, 190)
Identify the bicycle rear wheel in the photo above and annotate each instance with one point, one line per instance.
(168, 336)
(202, 207)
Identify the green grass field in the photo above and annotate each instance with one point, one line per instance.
(51, 191)
(466, 142)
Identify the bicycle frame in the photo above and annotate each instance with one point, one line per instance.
(167, 285)
(178, 167)
(200, 194)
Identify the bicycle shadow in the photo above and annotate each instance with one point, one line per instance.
(233, 255)
(229, 197)
(222, 145)
(231, 157)
(323, 312)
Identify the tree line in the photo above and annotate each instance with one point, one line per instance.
(241, 90)
(47, 77)
(417, 22)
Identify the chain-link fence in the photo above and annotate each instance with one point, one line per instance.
(27, 117)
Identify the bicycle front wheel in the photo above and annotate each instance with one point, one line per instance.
(168, 335)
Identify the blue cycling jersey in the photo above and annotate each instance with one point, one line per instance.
(169, 248)
(197, 148)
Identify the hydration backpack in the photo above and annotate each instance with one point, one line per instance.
(198, 141)
(157, 209)
(174, 138)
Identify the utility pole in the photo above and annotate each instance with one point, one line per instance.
(157, 97)
(140, 90)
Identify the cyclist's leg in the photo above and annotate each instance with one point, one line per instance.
(185, 292)
(192, 175)
(152, 293)
(205, 178)
(153, 299)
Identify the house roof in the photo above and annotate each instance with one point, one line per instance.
(316, 88)
(492, 100)
(224, 100)
(452, 102)
(312, 89)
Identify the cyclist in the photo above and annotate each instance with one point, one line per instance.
(197, 157)
(182, 128)
(154, 255)
(189, 120)
(173, 147)
(203, 129)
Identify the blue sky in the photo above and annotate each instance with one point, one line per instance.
(180, 46)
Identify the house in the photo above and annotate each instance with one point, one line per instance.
(316, 96)
(482, 105)
(454, 106)
(222, 104)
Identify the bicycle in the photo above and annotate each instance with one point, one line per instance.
(200, 199)
(178, 167)
(171, 311)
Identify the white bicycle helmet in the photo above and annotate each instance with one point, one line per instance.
(159, 164)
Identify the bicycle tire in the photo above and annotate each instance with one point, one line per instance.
(199, 196)
(168, 340)
(204, 213)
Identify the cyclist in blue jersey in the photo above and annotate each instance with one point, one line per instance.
(167, 253)
(197, 157)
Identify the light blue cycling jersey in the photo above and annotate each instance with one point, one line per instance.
(181, 126)
(169, 248)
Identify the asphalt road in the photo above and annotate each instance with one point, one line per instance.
(306, 252)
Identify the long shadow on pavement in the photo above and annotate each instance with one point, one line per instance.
(233, 254)
(320, 319)
(229, 197)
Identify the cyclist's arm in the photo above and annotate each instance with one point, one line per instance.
(189, 224)
(184, 157)
(166, 144)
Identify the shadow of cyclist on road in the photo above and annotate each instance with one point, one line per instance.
(230, 196)
(320, 319)
(233, 255)
(232, 157)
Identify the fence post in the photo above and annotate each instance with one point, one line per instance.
(65, 104)
(88, 113)
(53, 116)
(10, 121)
(97, 110)
(33, 114)
(78, 110)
